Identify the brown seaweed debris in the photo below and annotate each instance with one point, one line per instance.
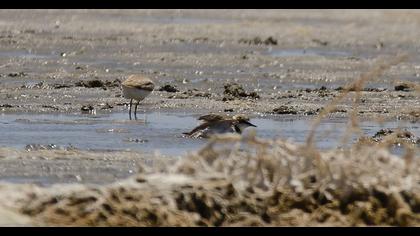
(353, 88)
(258, 41)
(106, 106)
(405, 87)
(17, 74)
(168, 88)
(60, 86)
(6, 105)
(96, 83)
(320, 42)
(90, 83)
(234, 90)
(285, 110)
(87, 109)
(322, 92)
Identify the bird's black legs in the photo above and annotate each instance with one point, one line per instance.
(129, 111)
(135, 110)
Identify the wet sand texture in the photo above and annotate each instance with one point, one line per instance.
(60, 61)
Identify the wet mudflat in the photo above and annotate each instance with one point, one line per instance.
(60, 61)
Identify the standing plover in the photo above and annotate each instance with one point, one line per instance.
(217, 124)
(136, 87)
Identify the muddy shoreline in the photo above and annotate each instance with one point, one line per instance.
(63, 65)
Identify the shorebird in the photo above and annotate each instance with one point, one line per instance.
(211, 117)
(218, 124)
(136, 87)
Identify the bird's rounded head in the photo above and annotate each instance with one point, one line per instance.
(243, 119)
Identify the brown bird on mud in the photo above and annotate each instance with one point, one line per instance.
(136, 87)
(218, 124)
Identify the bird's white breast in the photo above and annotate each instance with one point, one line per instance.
(220, 127)
(134, 93)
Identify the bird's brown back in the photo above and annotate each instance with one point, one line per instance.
(211, 117)
(140, 82)
(223, 124)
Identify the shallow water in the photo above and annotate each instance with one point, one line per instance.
(27, 54)
(160, 131)
(308, 52)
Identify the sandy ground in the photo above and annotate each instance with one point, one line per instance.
(45, 54)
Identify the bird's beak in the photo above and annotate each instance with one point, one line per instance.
(250, 124)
